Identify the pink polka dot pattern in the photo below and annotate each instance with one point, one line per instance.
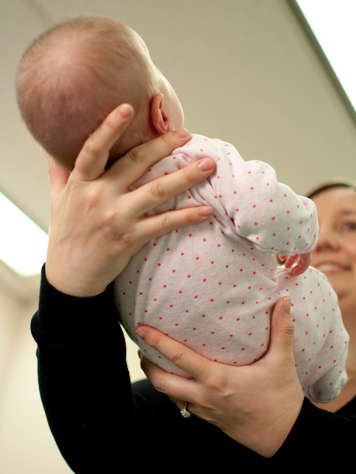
(212, 286)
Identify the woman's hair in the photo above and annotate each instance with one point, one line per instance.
(333, 183)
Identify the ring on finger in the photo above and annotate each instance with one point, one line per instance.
(184, 411)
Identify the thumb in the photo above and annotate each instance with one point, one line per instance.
(93, 157)
(282, 329)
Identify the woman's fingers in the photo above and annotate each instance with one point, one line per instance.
(160, 224)
(158, 191)
(132, 166)
(173, 385)
(186, 359)
(148, 228)
(92, 159)
(282, 331)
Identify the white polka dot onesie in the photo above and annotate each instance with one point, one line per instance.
(212, 285)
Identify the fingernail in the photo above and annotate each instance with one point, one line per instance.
(125, 110)
(206, 165)
(140, 331)
(286, 304)
(205, 211)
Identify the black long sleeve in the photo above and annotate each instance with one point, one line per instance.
(101, 421)
(82, 375)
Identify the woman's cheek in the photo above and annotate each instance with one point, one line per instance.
(351, 248)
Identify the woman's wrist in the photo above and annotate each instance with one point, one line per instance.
(70, 286)
(268, 438)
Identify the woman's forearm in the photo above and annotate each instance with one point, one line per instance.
(83, 377)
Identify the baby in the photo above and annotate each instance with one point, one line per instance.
(210, 286)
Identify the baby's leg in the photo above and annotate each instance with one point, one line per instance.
(320, 341)
(330, 384)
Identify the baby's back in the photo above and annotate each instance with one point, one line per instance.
(213, 290)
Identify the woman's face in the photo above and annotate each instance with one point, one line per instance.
(335, 252)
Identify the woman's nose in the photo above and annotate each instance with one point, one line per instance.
(327, 240)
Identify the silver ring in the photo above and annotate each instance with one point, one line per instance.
(184, 411)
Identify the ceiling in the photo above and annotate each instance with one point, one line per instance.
(244, 69)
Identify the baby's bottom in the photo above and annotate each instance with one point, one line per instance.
(320, 339)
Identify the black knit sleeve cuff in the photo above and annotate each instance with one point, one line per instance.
(63, 316)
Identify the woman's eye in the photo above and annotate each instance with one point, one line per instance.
(349, 226)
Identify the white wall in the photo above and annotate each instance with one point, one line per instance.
(25, 443)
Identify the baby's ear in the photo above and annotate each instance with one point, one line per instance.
(159, 118)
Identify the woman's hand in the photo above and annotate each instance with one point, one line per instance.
(97, 224)
(256, 405)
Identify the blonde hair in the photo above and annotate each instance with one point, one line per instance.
(74, 74)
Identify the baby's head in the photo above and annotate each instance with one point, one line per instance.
(76, 73)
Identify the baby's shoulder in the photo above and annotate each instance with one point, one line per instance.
(200, 146)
